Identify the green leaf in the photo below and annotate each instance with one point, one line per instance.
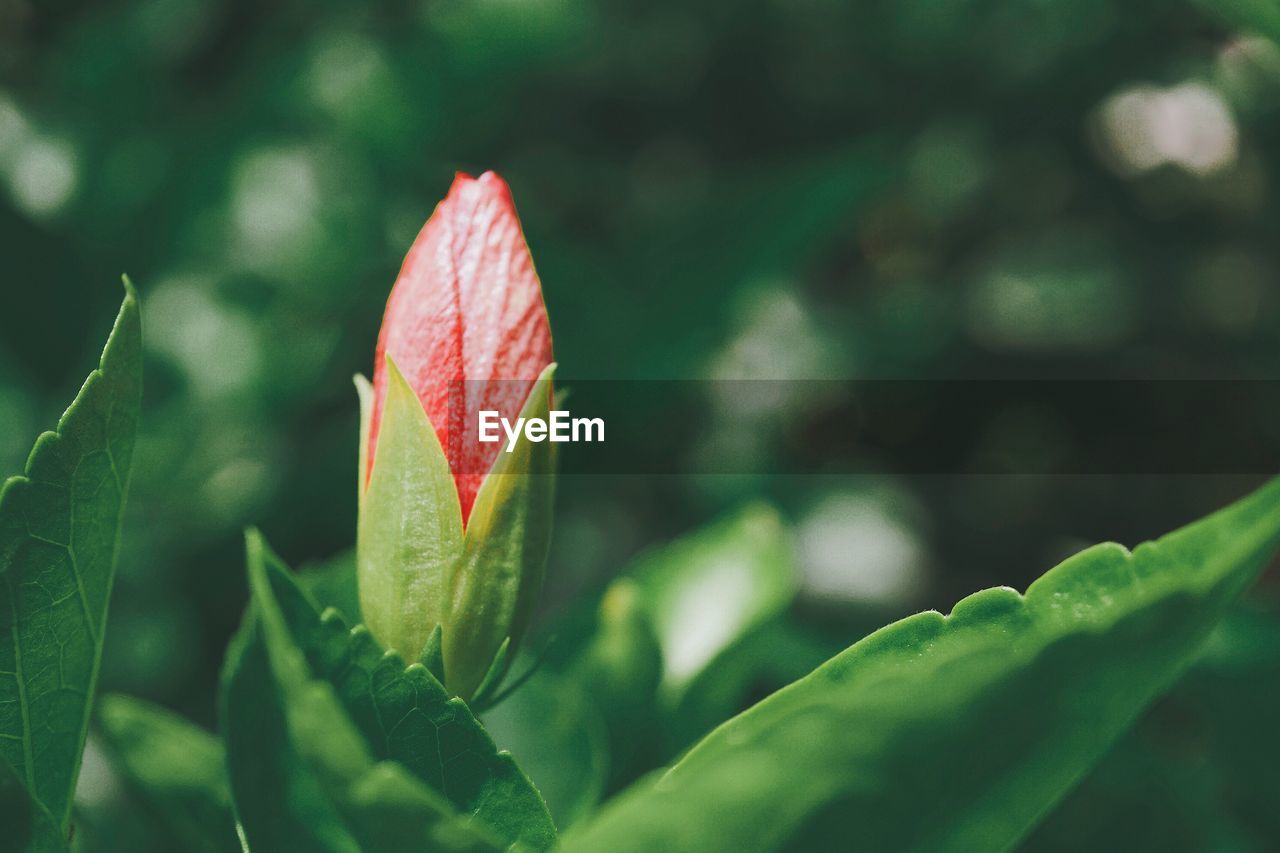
(176, 767)
(616, 663)
(404, 714)
(381, 806)
(495, 585)
(25, 826)
(705, 592)
(278, 803)
(59, 539)
(410, 528)
(955, 732)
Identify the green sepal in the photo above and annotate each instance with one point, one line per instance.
(432, 656)
(410, 530)
(497, 671)
(504, 554)
(175, 767)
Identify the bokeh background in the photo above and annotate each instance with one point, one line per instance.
(712, 190)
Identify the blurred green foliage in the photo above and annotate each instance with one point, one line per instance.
(972, 188)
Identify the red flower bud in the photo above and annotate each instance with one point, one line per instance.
(467, 305)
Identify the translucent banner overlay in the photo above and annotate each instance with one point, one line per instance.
(902, 427)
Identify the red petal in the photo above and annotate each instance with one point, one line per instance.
(466, 306)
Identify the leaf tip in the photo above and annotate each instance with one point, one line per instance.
(332, 616)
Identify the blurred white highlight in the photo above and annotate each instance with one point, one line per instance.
(43, 176)
(851, 549)
(707, 616)
(275, 196)
(1189, 125)
(214, 344)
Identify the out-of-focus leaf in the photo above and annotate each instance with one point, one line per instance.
(381, 805)
(59, 539)
(620, 668)
(278, 802)
(403, 714)
(658, 629)
(557, 735)
(706, 591)
(176, 767)
(955, 732)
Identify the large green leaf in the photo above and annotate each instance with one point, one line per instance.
(176, 767)
(955, 732)
(380, 805)
(59, 539)
(403, 714)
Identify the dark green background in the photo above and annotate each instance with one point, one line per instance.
(804, 189)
